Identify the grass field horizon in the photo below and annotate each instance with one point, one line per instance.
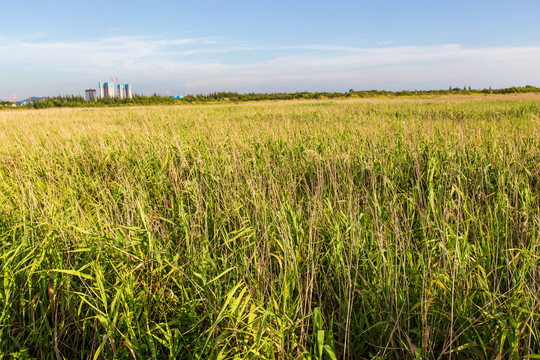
(359, 228)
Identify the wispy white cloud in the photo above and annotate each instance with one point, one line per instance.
(95, 53)
(208, 64)
(393, 68)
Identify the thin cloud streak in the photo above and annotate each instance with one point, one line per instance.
(184, 65)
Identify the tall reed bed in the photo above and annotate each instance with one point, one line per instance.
(294, 230)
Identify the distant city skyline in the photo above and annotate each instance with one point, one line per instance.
(179, 47)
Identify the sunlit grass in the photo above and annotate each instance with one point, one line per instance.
(289, 230)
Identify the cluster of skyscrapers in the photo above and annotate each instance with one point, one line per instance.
(107, 91)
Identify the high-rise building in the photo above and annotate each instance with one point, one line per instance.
(106, 90)
(90, 95)
(129, 92)
(121, 92)
(124, 91)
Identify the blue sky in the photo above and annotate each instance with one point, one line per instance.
(64, 47)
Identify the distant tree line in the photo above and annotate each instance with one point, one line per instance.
(229, 96)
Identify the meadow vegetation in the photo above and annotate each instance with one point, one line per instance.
(316, 230)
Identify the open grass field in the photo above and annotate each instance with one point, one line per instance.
(322, 230)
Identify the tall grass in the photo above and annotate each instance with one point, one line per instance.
(316, 230)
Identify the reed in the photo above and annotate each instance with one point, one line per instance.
(341, 229)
